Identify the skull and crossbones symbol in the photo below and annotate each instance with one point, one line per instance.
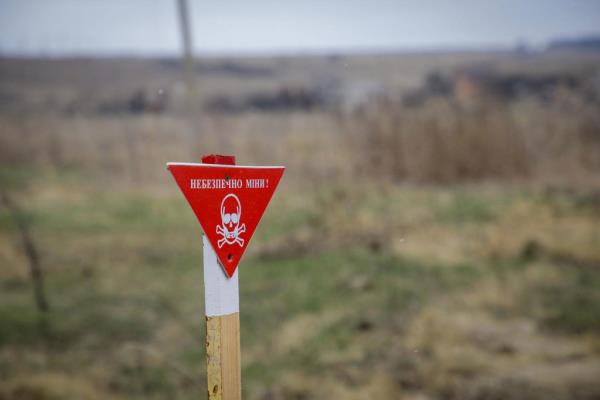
(230, 228)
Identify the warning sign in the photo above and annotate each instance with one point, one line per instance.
(229, 201)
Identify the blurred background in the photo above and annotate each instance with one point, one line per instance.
(436, 235)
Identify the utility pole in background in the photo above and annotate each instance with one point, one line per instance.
(188, 57)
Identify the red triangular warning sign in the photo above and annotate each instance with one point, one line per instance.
(228, 201)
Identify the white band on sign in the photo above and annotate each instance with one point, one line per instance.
(221, 294)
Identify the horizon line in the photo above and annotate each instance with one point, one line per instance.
(298, 52)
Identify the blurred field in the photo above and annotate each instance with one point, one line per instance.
(445, 251)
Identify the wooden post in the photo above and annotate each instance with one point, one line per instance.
(222, 321)
(223, 357)
(217, 194)
(222, 329)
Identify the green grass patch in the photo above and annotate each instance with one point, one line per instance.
(126, 268)
(465, 207)
(391, 290)
(568, 304)
(103, 213)
(572, 305)
(79, 312)
(142, 380)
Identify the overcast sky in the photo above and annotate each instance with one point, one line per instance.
(225, 26)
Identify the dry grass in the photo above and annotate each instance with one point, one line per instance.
(134, 150)
(446, 142)
(556, 143)
(355, 286)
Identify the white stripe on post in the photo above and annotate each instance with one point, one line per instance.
(221, 294)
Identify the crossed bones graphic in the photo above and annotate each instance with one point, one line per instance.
(231, 235)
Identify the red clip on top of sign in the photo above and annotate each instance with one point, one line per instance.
(228, 201)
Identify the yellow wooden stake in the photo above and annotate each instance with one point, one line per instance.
(223, 357)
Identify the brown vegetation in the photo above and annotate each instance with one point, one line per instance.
(446, 142)
(446, 250)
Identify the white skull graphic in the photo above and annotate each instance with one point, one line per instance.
(230, 228)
